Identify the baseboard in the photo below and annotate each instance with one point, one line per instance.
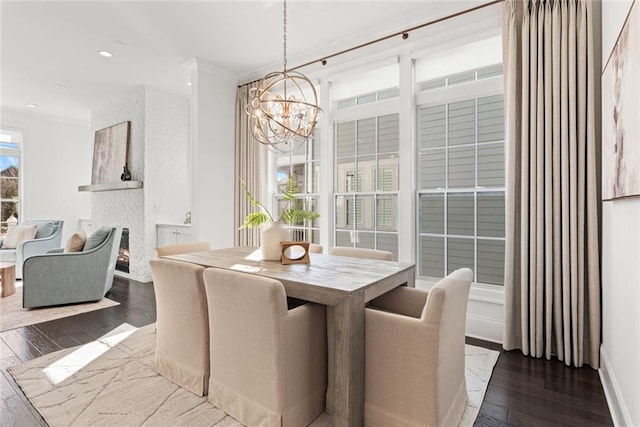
(619, 412)
(129, 276)
(484, 328)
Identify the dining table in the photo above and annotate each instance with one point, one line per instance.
(344, 285)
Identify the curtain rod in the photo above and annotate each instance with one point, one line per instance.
(403, 33)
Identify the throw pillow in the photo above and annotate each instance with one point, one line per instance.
(96, 239)
(17, 234)
(76, 242)
(45, 229)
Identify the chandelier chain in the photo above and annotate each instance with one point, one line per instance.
(284, 36)
(284, 106)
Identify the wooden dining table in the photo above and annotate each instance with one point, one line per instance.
(342, 283)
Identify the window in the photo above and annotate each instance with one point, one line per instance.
(449, 156)
(461, 198)
(10, 163)
(303, 164)
(366, 190)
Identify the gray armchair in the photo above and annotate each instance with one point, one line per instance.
(48, 236)
(65, 278)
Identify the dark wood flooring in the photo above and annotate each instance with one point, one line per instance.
(522, 391)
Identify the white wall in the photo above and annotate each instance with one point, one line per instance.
(213, 100)
(125, 208)
(620, 351)
(158, 156)
(167, 172)
(56, 160)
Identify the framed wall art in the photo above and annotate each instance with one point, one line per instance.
(620, 118)
(110, 153)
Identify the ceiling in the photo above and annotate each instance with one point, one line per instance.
(48, 49)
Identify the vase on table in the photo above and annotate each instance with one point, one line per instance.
(270, 237)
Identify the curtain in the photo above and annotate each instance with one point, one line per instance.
(552, 267)
(251, 165)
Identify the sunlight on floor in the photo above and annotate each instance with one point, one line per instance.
(63, 368)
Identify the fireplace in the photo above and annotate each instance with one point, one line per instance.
(122, 264)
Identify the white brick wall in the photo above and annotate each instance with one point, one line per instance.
(159, 156)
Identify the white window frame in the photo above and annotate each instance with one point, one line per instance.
(15, 152)
(354, 113)
(490, 86)
(308, 162)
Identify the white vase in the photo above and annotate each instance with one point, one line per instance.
(270, 237)
(12, 221)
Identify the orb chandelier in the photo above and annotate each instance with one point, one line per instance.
(283, 108)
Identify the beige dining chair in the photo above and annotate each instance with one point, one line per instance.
(315, 248)
(374, 254)
(182, 325)
(268, 362)
(361, 253)
(182, 248)
(414, 354)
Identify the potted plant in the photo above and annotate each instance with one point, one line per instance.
(273, 232)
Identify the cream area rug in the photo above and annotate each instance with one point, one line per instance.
(110, 382)
(12, 315)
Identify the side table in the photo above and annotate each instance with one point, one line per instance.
(8, 277)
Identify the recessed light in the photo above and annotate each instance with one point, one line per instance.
(105, 53)
(31, 105)
(188, 83)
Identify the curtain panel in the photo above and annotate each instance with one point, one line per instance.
(251, 165)
(552, 265)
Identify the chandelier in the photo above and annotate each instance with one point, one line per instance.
(283, 108)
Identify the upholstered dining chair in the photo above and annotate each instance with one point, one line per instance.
(414, 354)
(361, 253)
(182, 248)
(268, 363)
(316, 248)
(182, 347)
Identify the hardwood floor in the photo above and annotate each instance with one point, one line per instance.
(537, 392)
(522, 391)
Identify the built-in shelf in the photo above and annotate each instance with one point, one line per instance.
(110, 186)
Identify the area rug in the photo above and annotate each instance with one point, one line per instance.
(111, 382)
(12, 315)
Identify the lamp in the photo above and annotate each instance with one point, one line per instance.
(284, 106)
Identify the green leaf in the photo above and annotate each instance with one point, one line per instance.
(255, 203)
(255, 219)
(250, 197)
(291, 189)
(297, 216)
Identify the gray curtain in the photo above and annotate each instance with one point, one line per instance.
(552, 266)
(251, 166)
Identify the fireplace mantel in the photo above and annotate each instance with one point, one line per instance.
(110, 186)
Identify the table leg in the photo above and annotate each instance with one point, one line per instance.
(348, 362)
(331, 348)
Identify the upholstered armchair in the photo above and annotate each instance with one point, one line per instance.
(182, 326)
(48, 236)
(414, 354)
(65, 278)
(268, 363)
